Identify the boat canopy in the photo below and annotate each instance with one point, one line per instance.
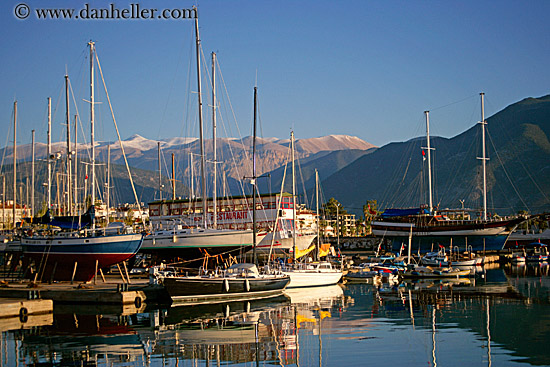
(388, 213)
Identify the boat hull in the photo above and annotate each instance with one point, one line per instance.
(284, 245)
(201, 289)
(476, 236)
(55, 257)
(193, 244)
(306, 278)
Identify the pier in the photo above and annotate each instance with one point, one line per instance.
(111, 292)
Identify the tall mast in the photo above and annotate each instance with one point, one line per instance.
(429, 149)
(3, 202)
(92, 140)
(201, 137)
(160, 173)
(214, 186)
(254, 178)
(14, 161)
(293, 199)
(173, 179)
(68, 123)
(483, 158)
(108, 180)
(317, 206)
(32, 177)
(75, 197)
(49, 153)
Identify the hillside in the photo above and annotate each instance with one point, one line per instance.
(327, 154)
(518, 172)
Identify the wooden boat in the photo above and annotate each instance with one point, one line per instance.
(430, 226)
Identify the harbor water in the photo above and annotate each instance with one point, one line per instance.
(498, 317)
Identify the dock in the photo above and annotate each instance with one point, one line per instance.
(23, 313)
(112, 292)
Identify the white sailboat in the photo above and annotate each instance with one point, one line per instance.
(308, 274)
(192, 244)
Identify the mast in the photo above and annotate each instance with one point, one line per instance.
(254, 179)
(483, 158)
(32, 177)
(214, 186)
(293, 199)
(3, 203)
(92, 142)
(68, 123)
(173, 179)
(429, 149)
(14, 161)
(201, 137)
(75, 197)
(160, 172)
(317, 206)
(108, 181)
(49, 153)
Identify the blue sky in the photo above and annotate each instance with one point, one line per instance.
(361, 68)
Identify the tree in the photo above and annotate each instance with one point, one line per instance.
(331, 206)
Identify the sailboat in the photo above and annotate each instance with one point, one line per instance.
(431, 228)
(77, 255)
(193, 243)
(284, 240)
(239, 281)
(308, 274)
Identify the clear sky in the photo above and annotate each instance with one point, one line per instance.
(361, 68)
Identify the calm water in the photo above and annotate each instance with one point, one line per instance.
(500, 318)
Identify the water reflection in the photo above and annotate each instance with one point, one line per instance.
(500, 316)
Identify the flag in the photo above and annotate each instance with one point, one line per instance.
(373, 212)
(423, 155)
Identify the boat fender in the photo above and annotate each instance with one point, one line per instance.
(247, 285)
(226, 285)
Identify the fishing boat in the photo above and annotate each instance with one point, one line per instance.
(79, 254)
(430, 226)
(239, 281)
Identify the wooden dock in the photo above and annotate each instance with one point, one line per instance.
(111, 292)
(25, 313)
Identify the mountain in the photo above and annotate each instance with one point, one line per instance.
(518, 172)
(327, 154)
